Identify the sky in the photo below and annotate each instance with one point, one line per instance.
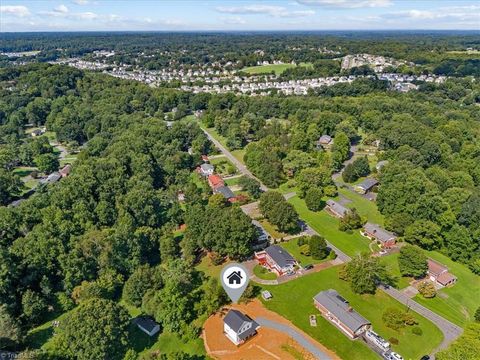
(240, 15)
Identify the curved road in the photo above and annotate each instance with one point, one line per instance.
(450, 331)
(295, 335)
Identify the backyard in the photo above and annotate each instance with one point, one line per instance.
(292, 247)
(294, 301)
(327, 226)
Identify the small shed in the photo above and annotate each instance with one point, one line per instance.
(147, 325)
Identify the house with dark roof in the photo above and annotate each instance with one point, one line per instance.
(238, 327)
(384, 238)
(147, 325)
(226, 192)
(276, 259)
(338, 311)
(439, 274)
(336, 209)
(366, 185)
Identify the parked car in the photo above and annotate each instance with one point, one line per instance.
(308, 267)
(394, 356)
(425, 357)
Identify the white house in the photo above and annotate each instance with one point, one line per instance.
(238, 327)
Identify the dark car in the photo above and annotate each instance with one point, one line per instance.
(425, 357)
(308, 267)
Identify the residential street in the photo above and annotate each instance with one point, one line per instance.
(294, 334)
(449, 330)
(242, 168)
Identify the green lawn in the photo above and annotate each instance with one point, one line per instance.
(223, 166)
(459, 302)
(292, 247)
(366, 208)
(271, 229)
(168, 343)
(266, 69)
(327, 226)
(293, 300)
(391, 261)
(206, 266)
(263, 273)
(231, 182)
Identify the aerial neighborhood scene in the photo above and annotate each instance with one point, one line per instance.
(240, 180)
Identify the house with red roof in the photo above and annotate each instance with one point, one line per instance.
(215, 181)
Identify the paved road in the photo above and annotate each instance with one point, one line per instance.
(297, 336)
(242, 168)
(450, 331)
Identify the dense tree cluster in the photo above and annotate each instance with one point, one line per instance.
(278, 211)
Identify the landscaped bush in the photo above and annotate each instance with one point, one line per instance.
(396, 319)
(393, 341)
(417, 331)
(305, 249)
(427, 289)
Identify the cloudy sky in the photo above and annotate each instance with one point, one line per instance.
(184, 15)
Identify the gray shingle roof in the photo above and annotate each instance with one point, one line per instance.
(379, 233)
(368, 183)
(340, 308)
(226, 192)
(147, 323)
(280, 256)
(235, 321)
(336, 207)
(207, 167)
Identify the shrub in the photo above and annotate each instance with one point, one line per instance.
(318, 247)
(305, 249)
(477, 314)
(409, 319)
(427, 289)
(393, 341)
(393, 318)
(302, 240)
(417, 331)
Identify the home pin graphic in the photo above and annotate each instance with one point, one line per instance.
(234, 278)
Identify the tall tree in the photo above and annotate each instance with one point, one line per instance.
(412, 261)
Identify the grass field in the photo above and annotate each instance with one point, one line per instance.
(263, 273)
(292, 247)
(271, 229)
(267, 69)
(459, 302)
(293, 300)
(327, 226)
(206, 266)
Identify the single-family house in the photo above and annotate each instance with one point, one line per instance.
(206, 169)
(385, 239)
(226, 192)
(276, 259)
(439, 273)
(147, 325)
(325, 141)
(336, 209)
(366, 185)
(238, 327)
(66, 170)
(215, 181)
(339, 312)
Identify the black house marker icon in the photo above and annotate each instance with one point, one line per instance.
(235, 278)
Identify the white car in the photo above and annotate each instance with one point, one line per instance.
(395, 356)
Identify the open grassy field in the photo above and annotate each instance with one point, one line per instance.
(266, 69)
(459, 302)
(327, 226)
(294, 301)
(292, 247)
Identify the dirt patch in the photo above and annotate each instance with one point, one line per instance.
(268, 344)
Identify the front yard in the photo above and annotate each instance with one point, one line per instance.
(294, 301)
(292, 247)
(263, 273)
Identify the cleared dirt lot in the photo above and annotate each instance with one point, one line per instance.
(268, 344)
